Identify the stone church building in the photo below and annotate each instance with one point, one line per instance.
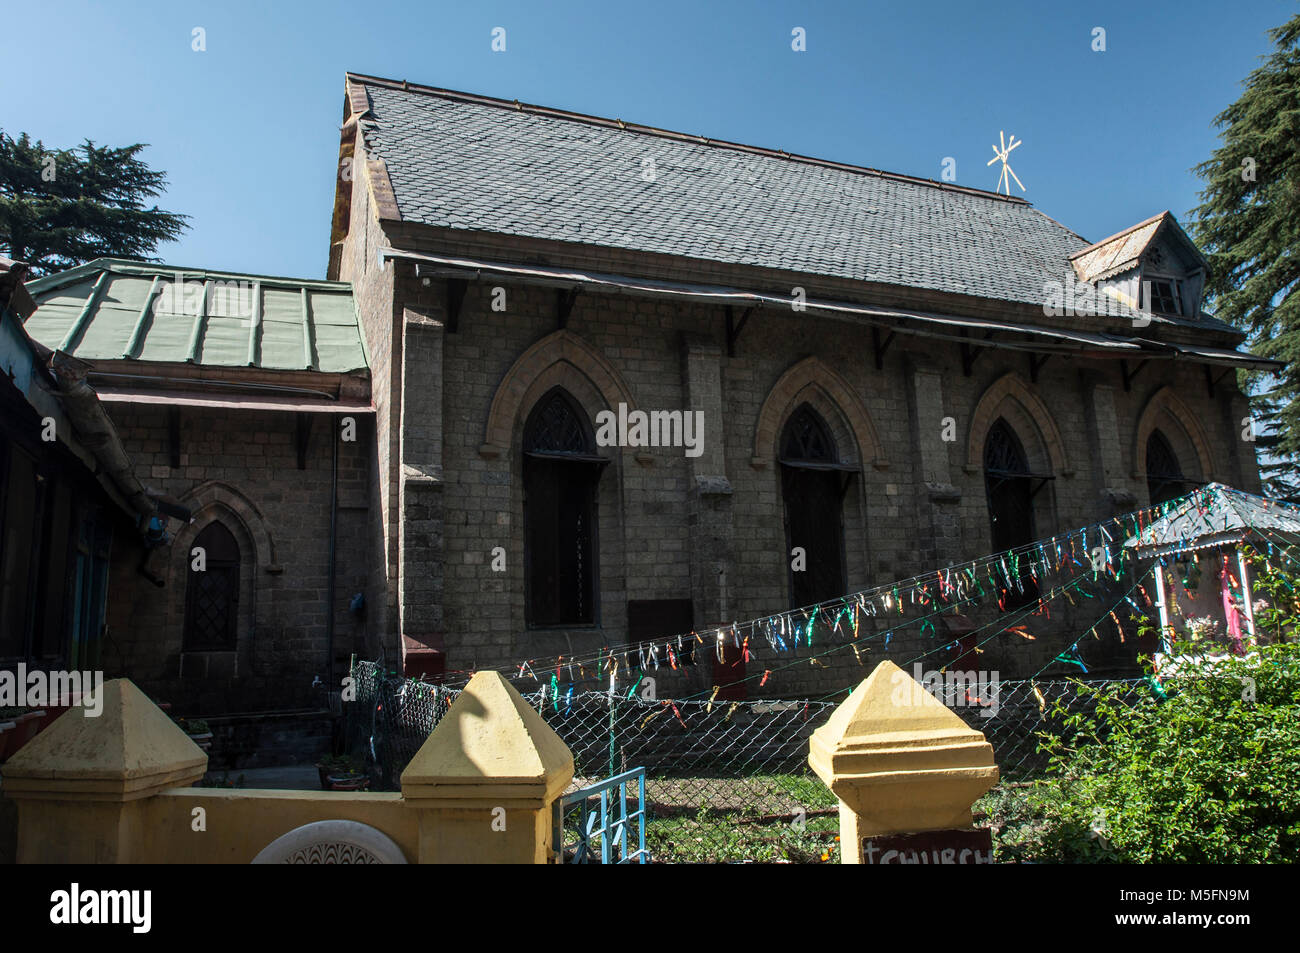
(610, 383)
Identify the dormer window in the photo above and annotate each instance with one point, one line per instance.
(1162, 295)
(1152, 265)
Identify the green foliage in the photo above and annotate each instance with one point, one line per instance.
(63, 207)
(1207, 775)
(1249, 226)
(727, 837)
(1277, 603)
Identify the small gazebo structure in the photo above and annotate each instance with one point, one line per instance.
(1214, 517)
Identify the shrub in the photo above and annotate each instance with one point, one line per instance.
(1206, 774)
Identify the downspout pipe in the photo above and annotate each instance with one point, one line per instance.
(329, 587)
(96, 432)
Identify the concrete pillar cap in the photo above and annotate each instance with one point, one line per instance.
(130, 750)
(891, 729)
(490, 747)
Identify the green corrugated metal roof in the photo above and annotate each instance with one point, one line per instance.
(111, 309)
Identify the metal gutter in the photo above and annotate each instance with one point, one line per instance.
(1051, 340)
(166, 398)
(330, 588)
(714, 294)
(208, 382)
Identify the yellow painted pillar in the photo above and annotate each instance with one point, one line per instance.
(485, 780)
(899, 761)
(81, 785)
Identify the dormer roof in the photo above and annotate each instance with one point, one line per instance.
(1123, 251)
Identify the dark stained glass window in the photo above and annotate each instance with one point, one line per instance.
(557, 426)
(212, 594)
(1165, 480)
(1009, 487)
(813, 485)
(807, 439)
(561, 472)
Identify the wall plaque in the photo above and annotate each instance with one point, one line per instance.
(930, 847)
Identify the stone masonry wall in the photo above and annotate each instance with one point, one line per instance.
(372, 288)
(241, 467)
(917, 503)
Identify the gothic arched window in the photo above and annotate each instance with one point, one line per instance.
(1010, 489)
(1165, 480)
(561, 471)
(813, 482)
(212, 593)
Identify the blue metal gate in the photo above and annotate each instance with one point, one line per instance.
(591, 825)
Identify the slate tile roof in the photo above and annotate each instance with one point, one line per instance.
(463, 162)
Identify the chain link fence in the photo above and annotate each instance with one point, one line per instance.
(1022, 710)
(726, 781)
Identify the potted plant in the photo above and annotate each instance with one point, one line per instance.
(198, 731)
(342, 773)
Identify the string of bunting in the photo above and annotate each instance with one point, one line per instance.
(1095, 551)
(1012, 622)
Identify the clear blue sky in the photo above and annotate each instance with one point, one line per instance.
(247, 131)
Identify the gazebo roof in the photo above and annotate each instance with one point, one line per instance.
(1214, 515)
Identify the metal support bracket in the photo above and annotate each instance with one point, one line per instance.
(174, 436)
(1129, 377)
(879, 347)
(1212, 382)
(301, 437)
(971, 353)
(734, 328)
(564, 298)
(455, 298)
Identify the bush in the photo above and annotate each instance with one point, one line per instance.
(1205, 774)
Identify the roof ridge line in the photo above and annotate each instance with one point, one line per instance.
(130, 265)
(697, 139)
(1110, 238)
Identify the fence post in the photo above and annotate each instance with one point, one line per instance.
(899, 761)
(82, 784)
(486, 778)
(612, 747)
